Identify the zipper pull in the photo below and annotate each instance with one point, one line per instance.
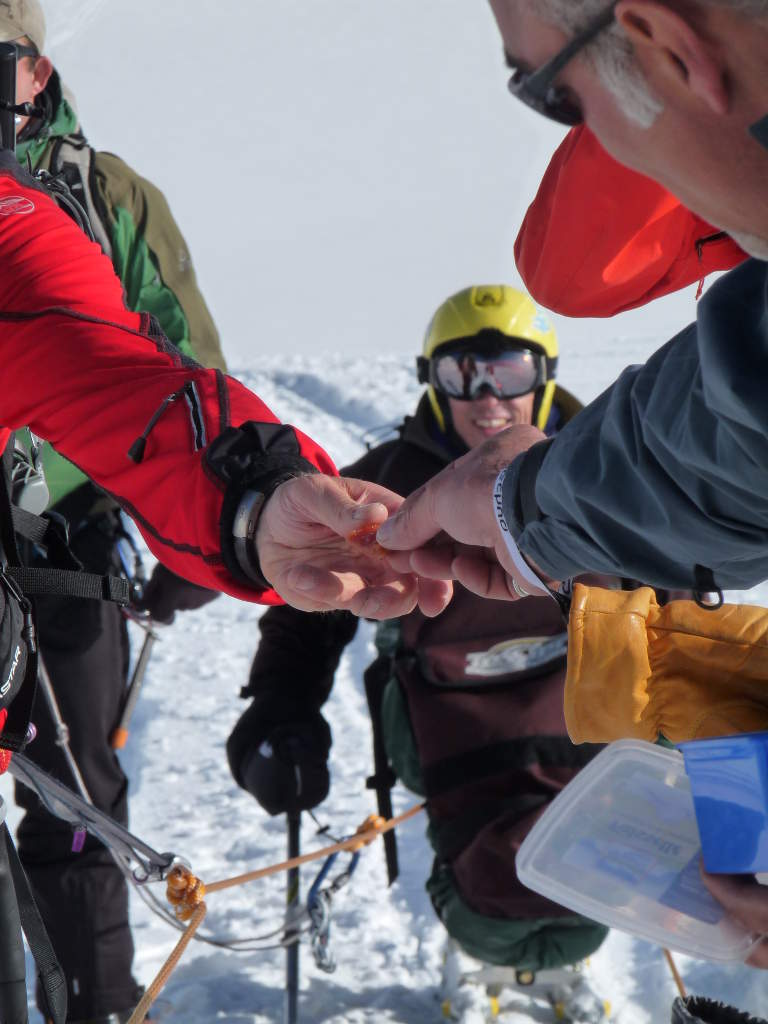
(139, 446)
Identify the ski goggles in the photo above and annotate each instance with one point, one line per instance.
(466, 375)
(537, 89)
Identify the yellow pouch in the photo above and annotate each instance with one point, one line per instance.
(636, 669)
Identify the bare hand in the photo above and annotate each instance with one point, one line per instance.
(308, 552)
(746, 900)
(447, 529)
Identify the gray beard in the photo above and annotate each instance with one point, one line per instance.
(754, 245)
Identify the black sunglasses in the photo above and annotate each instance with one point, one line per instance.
(536, 89)
(25, 51)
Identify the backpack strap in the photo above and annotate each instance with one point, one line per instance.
(49, 972)
(72, 158)
(15, 731)
(66, 578)
(20, 582)
(68, 583)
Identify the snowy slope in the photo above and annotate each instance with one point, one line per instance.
(387, 942)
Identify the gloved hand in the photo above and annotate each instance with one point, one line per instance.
(166, 593)
(700, 1010)
(636, 669)
(286, 769)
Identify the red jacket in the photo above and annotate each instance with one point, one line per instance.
(600, 238)
(87, 375)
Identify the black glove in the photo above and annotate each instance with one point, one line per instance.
(166, 593)
(286, 769)
(698, 1010)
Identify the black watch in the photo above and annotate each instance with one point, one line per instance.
(247, 515)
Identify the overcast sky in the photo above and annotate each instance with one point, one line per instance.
(337, 166)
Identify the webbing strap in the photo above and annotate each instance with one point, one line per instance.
(15, 732)
(59, 582)
(49, 972)
(65, 583)
(33, 528)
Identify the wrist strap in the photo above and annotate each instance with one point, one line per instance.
(523, 570)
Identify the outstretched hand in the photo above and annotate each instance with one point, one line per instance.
(448, 529)
(316, 542)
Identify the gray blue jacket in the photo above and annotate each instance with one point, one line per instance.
(665, 475)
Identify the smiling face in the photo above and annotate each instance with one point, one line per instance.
(708, 69)
(486, 415)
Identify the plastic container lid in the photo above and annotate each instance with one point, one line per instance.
(620, 845)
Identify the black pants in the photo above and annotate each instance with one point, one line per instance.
(82, 897)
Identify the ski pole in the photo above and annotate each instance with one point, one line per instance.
(291, 909)
(62, 729)
(120, 736)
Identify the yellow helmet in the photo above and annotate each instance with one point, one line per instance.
(496, 312)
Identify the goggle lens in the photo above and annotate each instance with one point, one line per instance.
(464, 375)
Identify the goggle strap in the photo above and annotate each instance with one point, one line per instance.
(422, 369)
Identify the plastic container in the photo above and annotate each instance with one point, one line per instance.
(620, 845)
(729, 782)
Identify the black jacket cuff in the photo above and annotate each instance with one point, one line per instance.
(257, 458)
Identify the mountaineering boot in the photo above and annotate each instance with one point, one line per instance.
(477, 992)
(572, 996)
(462, 999)
(697, 1010)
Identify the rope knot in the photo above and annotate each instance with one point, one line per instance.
(368, 831)
(185, 892)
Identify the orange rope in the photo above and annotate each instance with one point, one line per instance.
(141, 1011)
(675, 973)
(186, 892)
(355, 842)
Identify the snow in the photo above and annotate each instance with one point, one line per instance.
(387, 942)
(338, 168)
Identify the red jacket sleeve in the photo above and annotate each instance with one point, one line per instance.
(600, 238)
(89, 376)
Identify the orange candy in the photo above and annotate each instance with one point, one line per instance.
(365, 537)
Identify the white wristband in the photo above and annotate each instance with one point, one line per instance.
(534, 586)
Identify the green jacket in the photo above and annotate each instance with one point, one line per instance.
(135, 227)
